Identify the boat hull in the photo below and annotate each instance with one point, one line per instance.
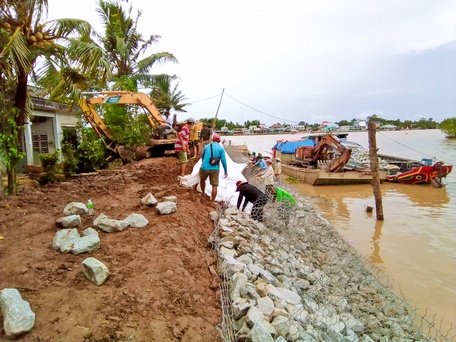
(321, 177)
(421, 174)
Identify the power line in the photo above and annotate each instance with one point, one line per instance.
(204, 99)
(259, 111)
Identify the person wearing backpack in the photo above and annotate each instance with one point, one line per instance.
(212, 155)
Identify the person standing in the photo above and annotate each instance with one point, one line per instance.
(277, 170)
(208, 169)
(247, 193)
(194, 141)
(181, 145)
(267, 176)
(205, 135)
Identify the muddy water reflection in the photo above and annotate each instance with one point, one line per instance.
(413, 245)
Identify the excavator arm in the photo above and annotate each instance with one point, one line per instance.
(130, 98)
(311, 155)
(332, 141)
(156, 121)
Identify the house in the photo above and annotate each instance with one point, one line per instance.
(276, 128)
(45, 131)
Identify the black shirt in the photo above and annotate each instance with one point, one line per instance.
(250, 193)
(206, 134)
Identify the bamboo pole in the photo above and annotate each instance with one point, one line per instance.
(374, 169)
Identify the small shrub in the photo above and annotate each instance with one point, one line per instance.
(52, 167)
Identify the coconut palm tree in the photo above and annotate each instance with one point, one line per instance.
(165, 96)
(26, 37)
(126, 49)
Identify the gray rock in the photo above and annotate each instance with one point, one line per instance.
(213, 215)
(95, 271)
(68, 221)
(89, 242)
(75, 208)
(18, 317)
(253, 316)
(260, 333)
(69, 240)
(136, 220)
(282, 293)
(166, 208)
(241, 306)
(64, 239)
(170, 199)
(149, 200)
(111, 225)
(266, 306)
(238, 281)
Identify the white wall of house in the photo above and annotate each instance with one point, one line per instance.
(44, 133)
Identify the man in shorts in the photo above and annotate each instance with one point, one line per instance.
(212, 171)
(181, 145)
(206, 135)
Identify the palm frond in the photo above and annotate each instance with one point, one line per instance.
(147, 63)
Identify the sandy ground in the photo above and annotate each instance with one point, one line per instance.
(161, 287)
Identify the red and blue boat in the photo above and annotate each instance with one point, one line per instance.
(422, 174)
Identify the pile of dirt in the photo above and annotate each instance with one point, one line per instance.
(161, 287)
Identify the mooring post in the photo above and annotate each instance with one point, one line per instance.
(374, 169)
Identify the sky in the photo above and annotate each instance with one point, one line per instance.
(301, 60)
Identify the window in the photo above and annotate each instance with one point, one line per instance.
(40, 143)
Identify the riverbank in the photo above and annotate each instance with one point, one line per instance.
(310, 258)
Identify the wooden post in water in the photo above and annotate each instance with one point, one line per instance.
(374, 168)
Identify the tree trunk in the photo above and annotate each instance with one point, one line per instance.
(374, 169)
(20, 102)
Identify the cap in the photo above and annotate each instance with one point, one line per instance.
(253, 152)
(216, 137)
(239, 183)
(204, 124)
(190, 120)
(278, 159)
(166, 113)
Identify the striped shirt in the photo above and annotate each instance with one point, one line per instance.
(184, 133)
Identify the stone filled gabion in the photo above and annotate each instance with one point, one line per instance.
(300, 281)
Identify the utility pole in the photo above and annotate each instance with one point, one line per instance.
(215, 119)
(374, 169)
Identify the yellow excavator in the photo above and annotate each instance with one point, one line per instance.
(163, 135)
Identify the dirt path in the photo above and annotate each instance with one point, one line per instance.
(160, 288)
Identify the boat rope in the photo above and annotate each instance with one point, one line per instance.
(406, 146)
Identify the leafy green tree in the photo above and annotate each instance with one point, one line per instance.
(448, 126)
(344, 123)
(249, 123)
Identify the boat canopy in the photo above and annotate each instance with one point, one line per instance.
(289, 147)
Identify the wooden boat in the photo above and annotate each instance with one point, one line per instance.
(422, 174)
(324, 177)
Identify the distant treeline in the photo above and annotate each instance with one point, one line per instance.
(407, 124)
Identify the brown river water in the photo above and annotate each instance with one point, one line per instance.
(415, 244)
